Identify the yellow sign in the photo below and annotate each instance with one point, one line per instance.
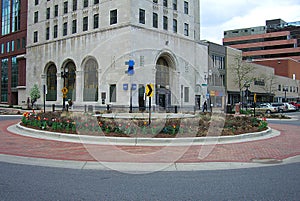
(149, 90)
(64, 90)
(254, 98)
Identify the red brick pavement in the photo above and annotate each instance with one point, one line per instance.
(280, 147)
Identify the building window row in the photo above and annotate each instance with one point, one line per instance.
(13, 45)
(65, 8)
(175, 5)
(286, 88)
(65, 27)
(165, 24)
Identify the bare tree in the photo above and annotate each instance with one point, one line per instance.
(242, 73)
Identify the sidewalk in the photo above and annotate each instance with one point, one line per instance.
(275, 150)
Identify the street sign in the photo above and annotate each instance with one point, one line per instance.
(125, 87)
(133, 86)
(64, 90)
(149, 90)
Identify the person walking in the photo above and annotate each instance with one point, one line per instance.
(204, 106)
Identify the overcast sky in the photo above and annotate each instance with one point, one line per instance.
(218, 16)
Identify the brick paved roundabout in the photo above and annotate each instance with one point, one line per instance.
(274, 149)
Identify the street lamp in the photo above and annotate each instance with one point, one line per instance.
(64, 74)
(247, 92)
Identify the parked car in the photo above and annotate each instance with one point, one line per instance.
(265, 108)
(280, 107)
(290, 107)
(296, 104)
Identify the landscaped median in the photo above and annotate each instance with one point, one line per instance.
(200, 125)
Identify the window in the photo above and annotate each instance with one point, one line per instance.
(16, 16)
(35, 36)
(112, 93)
(113, 17)
(36, 16)
(74, 5)
(65, 28)
(47, 33)
(165, 3)
(8, 47)
(74, 26)
(142, 16)
(85, 24)
(23, 42)
(155, 1)
(174, 4)
(4, 80)
(51, 83)
(18, 44)
(55, 10)
(36, 2)
(174, 26)
(55, 31)
(186, 29)
(186, 94)
(85, 3)
(5, 20)
(96, 1)
(90, 91)
(48, 14)
(186, 7)
(65, 7)
(96, 21)
(155, 20)
(165, 23)
(2, 48)
(14, 72)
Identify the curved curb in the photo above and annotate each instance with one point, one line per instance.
(139, 167)
(101, 140)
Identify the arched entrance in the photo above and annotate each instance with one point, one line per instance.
(90, 90)
(162, 82)
(51, 83)
(70, 80)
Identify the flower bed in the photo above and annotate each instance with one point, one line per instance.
(85, 124)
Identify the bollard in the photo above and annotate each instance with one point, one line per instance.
(107, 107)
(85, 108)
(53, 107)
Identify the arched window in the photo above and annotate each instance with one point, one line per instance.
(71, 81)
(162, 73)
(51, 83)
(90, 92)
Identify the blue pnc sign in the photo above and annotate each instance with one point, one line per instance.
(125, 87)
(130, 64)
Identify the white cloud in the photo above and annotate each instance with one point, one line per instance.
(219, 16)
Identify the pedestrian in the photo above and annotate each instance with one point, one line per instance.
(205, 106)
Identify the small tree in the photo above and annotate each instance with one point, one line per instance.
(34, 94)
(242, 73)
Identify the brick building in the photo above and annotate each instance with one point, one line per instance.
(12, 51)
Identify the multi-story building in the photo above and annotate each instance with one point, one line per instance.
(216, 75)
(84, 44)
(257, 78)
(13, 31)
(277, 39)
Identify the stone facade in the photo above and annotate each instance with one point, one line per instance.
(171, 57)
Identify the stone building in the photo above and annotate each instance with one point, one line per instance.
(84, 46)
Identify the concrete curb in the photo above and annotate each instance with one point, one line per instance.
(139, 168)
(100, 140)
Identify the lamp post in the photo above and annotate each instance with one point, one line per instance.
(247, 92)
(64, 74)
